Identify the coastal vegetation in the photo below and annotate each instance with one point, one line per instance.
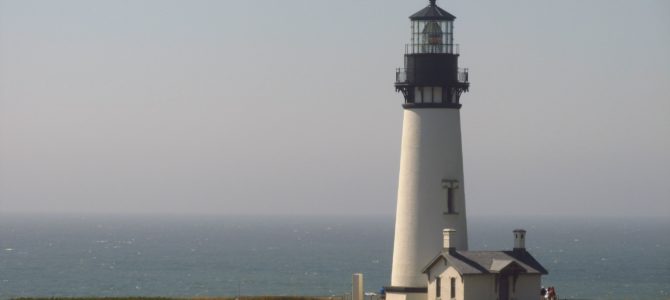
(184, 298)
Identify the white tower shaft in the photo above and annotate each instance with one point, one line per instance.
(430, 191)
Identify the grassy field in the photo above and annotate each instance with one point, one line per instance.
(187, 298)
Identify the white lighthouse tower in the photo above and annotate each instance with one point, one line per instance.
(430, 188)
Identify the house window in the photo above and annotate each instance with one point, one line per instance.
(438, 287)
(453, 287)
(450, 187)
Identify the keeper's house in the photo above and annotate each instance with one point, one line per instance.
(502, 275)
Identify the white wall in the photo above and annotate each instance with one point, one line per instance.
(446, 273)
(430, 152)
(407, 296)
(480, 286)
(527, 287)
(437, 270)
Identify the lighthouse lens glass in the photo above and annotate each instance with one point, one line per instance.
(433, 33)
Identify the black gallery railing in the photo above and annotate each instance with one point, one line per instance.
(401, 75)
(432, 48)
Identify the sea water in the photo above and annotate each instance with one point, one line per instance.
(587, 258)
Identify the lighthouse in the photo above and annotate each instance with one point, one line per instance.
(430, 187)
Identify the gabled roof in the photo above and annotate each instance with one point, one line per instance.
(500, 265)
(488, 262)
(432, 12)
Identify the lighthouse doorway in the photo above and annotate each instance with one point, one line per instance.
(503, 287)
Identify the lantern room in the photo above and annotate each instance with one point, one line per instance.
(431, 77)
(432, 31)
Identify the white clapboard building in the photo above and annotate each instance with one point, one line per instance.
(462, 274)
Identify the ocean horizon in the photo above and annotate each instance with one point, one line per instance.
(184, 256)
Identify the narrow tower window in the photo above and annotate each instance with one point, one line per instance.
(450, 200)
(450, 187)
(437, 287)
(453, 287)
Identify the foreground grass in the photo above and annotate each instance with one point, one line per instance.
(185, 298)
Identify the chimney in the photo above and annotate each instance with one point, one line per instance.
(449, 239)
(519, 240)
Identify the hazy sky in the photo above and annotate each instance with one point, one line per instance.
(288, 107)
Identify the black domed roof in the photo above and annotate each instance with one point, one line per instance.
(432, 12)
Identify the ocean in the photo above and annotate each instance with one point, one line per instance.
(587, 258)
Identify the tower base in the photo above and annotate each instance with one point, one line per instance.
(406, 293)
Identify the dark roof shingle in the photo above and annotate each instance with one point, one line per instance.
(432, 12)
(485, 262)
